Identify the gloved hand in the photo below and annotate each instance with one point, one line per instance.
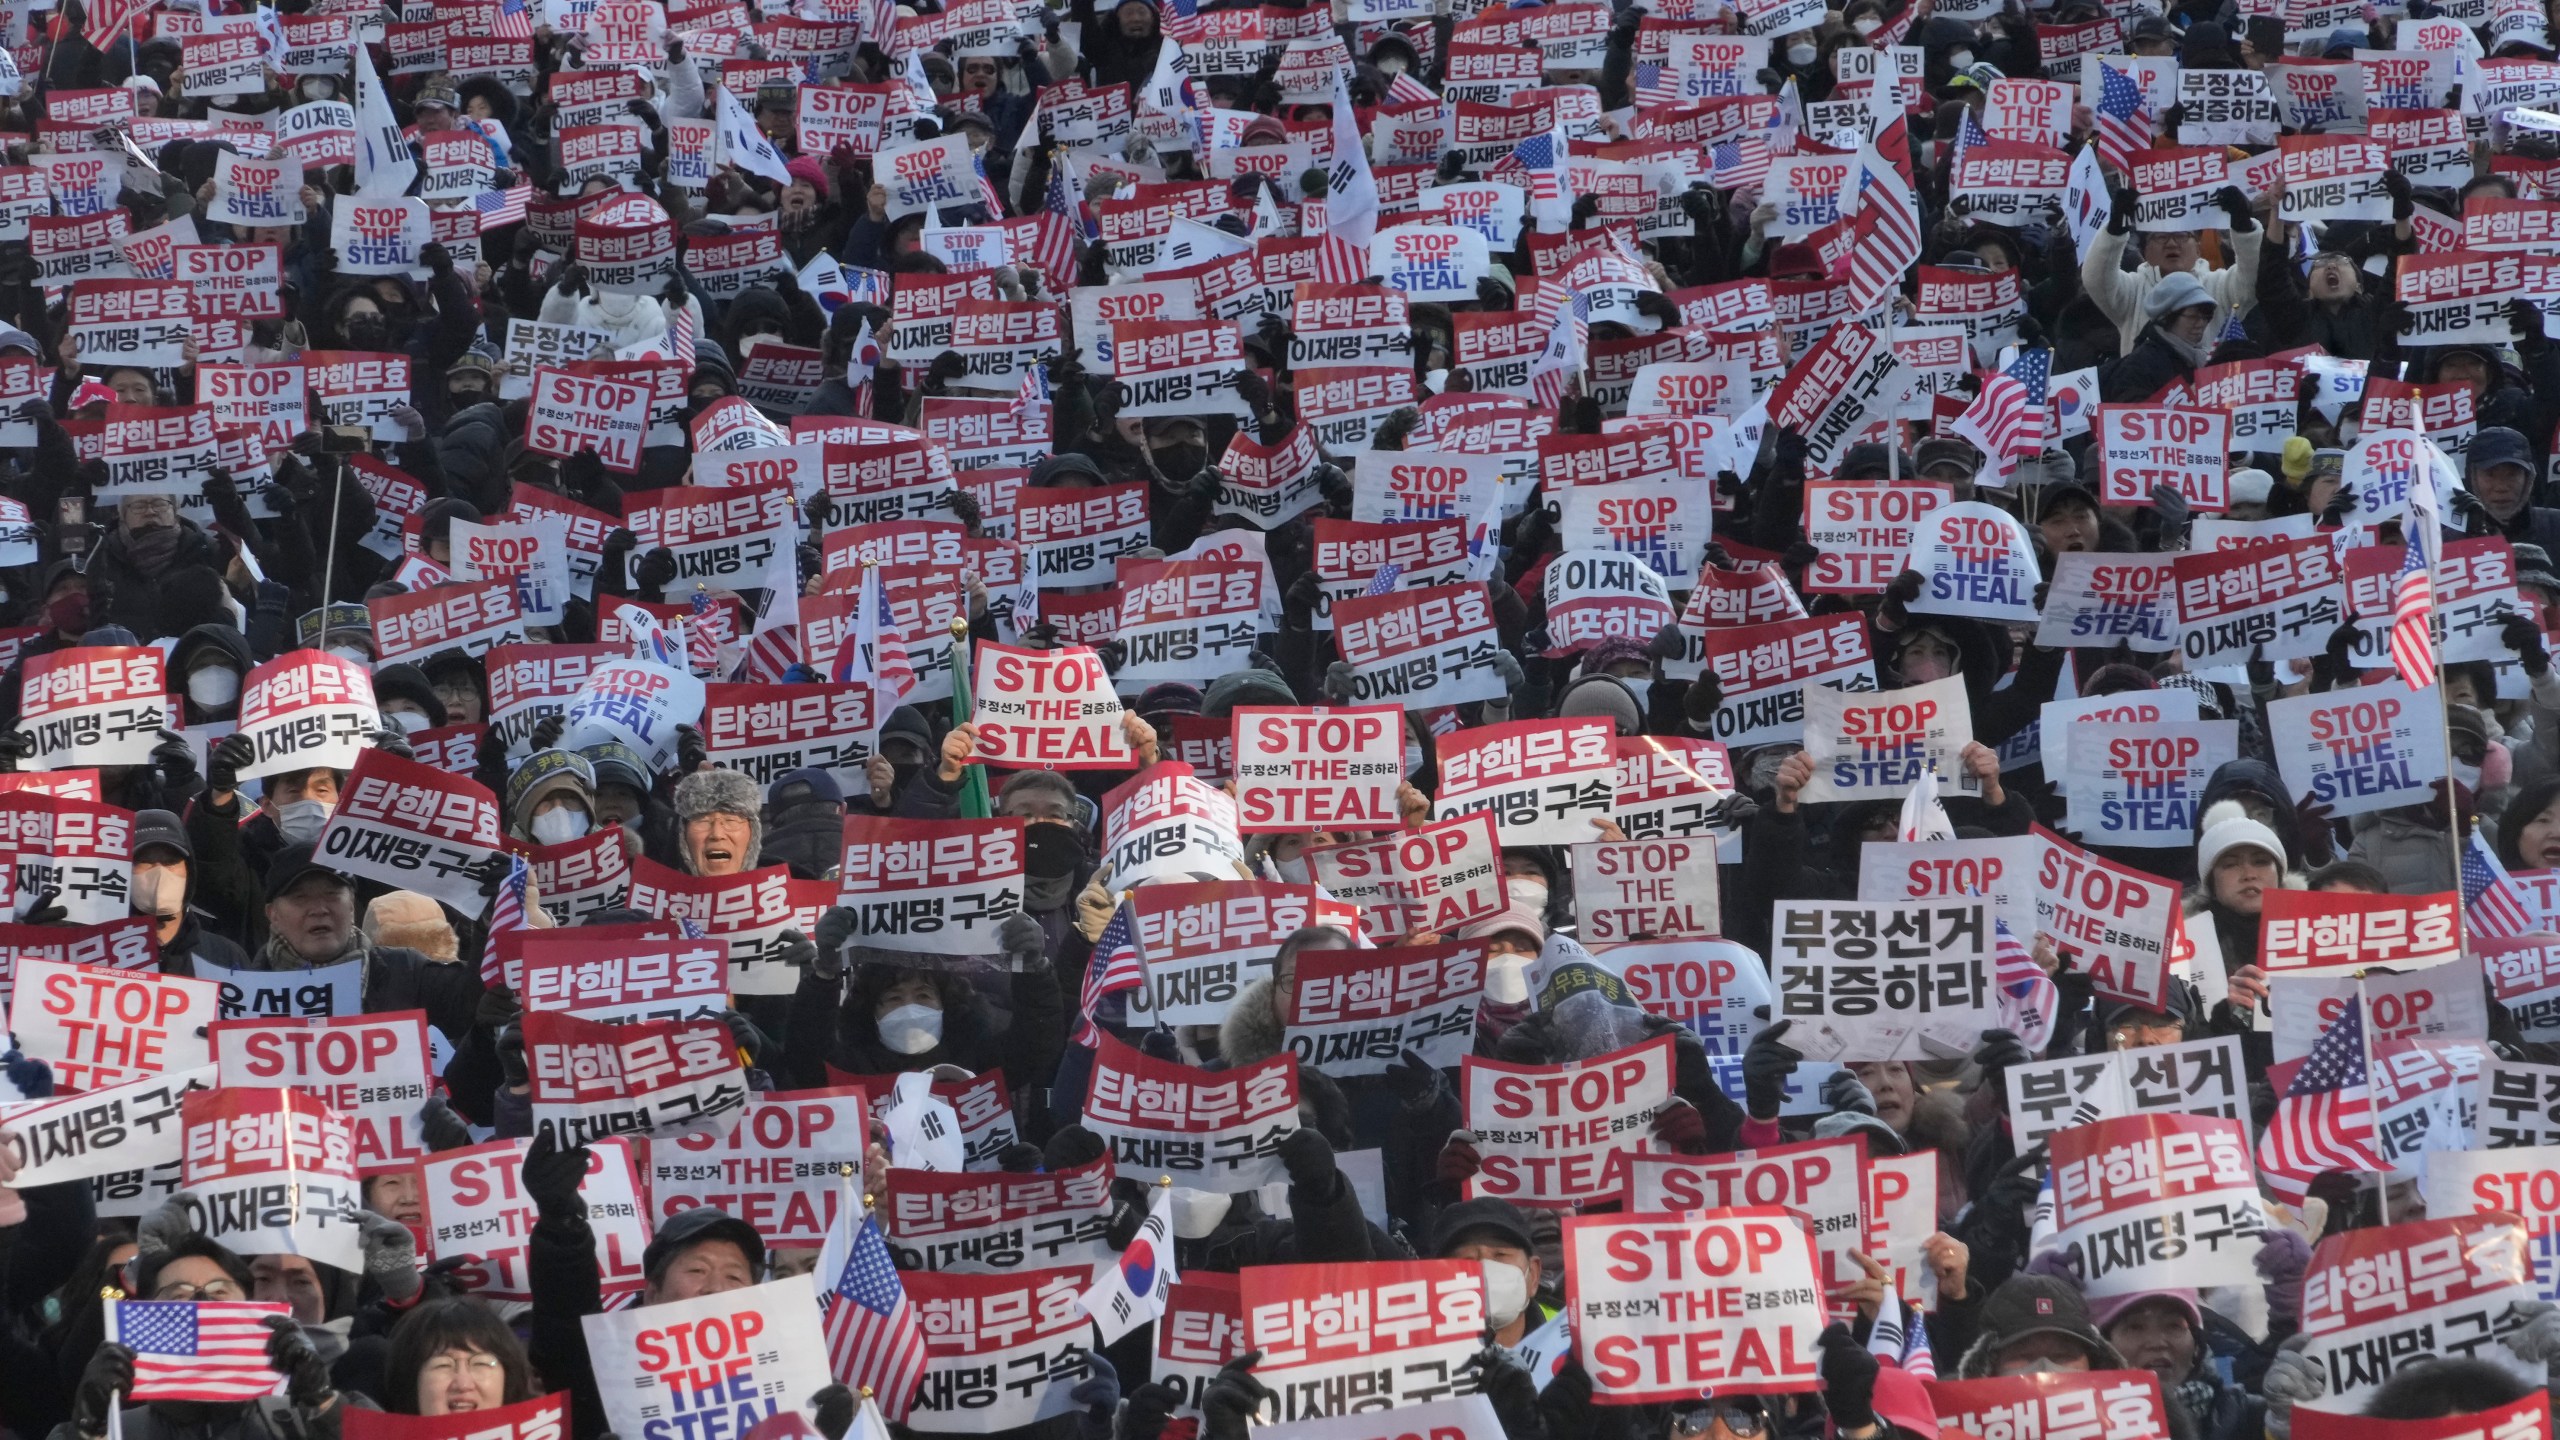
(16, 748)
(2537, 1340)
(1999, 1050)
(439, 1129)
(832, 1411)
(836, 929)
(390, 1256)
(2172, 505)
(1680, 1128)
(547, 730)
(1704, 699)
(1766, 1064)
(1096, 1397)
(2525, 318)
(1848, 1379)
(224, 762)
(393, 741)
(656, 570)
(1128, 1211)
(691, 753)
(2235, 203)
(1512, 1390)
(47, 910)
(552, 1177)
(1022, 941)
(747, 1036)
(1459, 1159)
(1341, 681)
(1019, 1158)
(511, 1062)
(2121, 202)
(1412, 1079)
(1507, 665)
(2283, 1254)
(1308, 1157)
(32, 1078)
(2292, 1377)
(1094, 905)
(2404, 196)
(2340, 506)
(2525, 638)
(103, 1386)
(1149, 1410)
(1071, 1146)
(1844, 1091)
(1899, 592)
(289, 1353)
(1230, 1403)
(793, 949)
(175, 762)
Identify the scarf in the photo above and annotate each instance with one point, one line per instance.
(2194, 355)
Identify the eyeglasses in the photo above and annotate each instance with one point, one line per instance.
(442, 1369)
(219, 1289)
(1738, 1420)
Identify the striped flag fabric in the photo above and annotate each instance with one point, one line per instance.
(1385, 580)
(2413, 606)
(1917, 1358)
(1405, 90)
(1884, 1337)
(1655, 84)
(1113, 967)
(2028, 996)
(2001, 422)
(1969, 133)
(2124, 121)
(506, 912)
(2493, 905)
(2325, 1120)
(875, 654)
(211, 1351)
(1743, 160)
(1560, 359)
(873, 1338)
(514, 22)
(1887, 227)
(503, 207)
(1540, 161)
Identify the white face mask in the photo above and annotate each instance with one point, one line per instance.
(1412, 758)
(557, 827)
(351, 655)
(1506, 1291)
(299, 821)
(1506, 979)
(409, 721)
(911, 1029)
(1527, 892)
(1802, 55)
(1960, 61)
(1642, 685)
(1294, 871)
(1867, 28)
(1198, 1212)
(158, 890)
(2467, 776)
(214, 687)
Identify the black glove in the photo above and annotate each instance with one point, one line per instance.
(2120, 216)
(1848, 1379)
(439, 1129)
(16, 747)
(1766, 1064)
(1071, 1146)
(833, 1407)
(391, 740)
(1150, 1409)
(836, 929)
(289, 1353)
(1999, 1050)
(1511, 1389)
(1096, 1398)
(103, 1386)
(552, 1177)
(2340, 506)
(796, 951)
(1019, 1158)
(47, 910)
(2525, 318)
(1704, 698)
(2525, 638)
(2404, 198)
(176, 763)
(656, 571)
(547, 730)
(1412, 1078)
(1228, 1406)
(2235, 203)
(691, 753)
(1308, 1157)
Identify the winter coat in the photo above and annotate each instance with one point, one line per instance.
(2119, 293)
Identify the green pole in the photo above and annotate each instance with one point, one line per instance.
(974, 804)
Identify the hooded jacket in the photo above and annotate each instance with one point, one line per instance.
(2119, 293)
(134, 599)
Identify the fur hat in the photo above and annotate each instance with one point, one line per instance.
(407, 920)
(715, 790)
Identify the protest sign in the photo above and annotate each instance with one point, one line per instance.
(533, 554)
(1629, 890)
(1354, 557)
(1545, 782)
(2119, 1183)
(1864, 531)
(304, 709)
(1666, 1308)
(1825, 1181)
(2106, 919)
(577, 414)
(748, 911)
(2302, 932)
(2100, 601)
(778, 1170)
(372, 1070)
(1332, 768)
(131, 322)
(2274, 602)
(1268, 484)
(470, 617)
(1876, 747)
(1000, 1222)
(413, 827)
(1400, 1330)
(1767, 670)
(2144, 447)
(95, 705)
(981, 1106)
(654, 1078)
(1423, 648)
(1355, 1012)
(157, 449)
(1661, 522)
(545, 1417)
(127, 1128)
(271, 398)
(318, 993)
(742, 1355)
(1185, 618)
(2142, 785)
(1883, 980)
(619, 979)
(1974, 559)
(1548, 1133)
(2126, 1402)
(2528, 1418)
(1835, 391)
(2519, 1104)
(1433, 878)
(1053, 709)
(2523, 1182)
(2377, 1298)
(2441, 1002)
(1204, 941)
(1902, 1213)
(1670, 786)
(79, 852)
(2000, 869)
(1212, 1130)
(1025, 1325)
(2199, 1077)
(635, 702)
(1166, 822)
(768, 731)
(935, 887)
(271, 1172)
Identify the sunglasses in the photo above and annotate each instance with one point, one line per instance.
(1739, 1420)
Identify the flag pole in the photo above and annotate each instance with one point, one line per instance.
(2364, 1032)
(974, 804)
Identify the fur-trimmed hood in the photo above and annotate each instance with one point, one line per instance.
(1252, 1031)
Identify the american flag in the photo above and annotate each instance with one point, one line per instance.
(1113, 967)
(775, 647)
(1339, 262)
(502, 207)
(1900, 1338)
(1051, 247)
(2492, 905)
(2325, 1120)
(1917, 1358)
(2413, 605)
(1560, 359)
(875, 653)
(1743, 160)
(1969, 133)
(2124, 121)
(680, 336)
(2028, 996)
(1066, 196)
(1385, 580)
(1656, 83)
(214, 1351)
(987, 189)
(1405, 90)
(873, 1339)
(1888, 230)
(506, 913)
(514, 22)
(1540, 159)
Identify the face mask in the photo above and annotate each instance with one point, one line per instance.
(1506, 1292)
(2467, 776)
(1412, 758)
(1960, 61)
(366, 332)
(319, 88)
(299, 821)
(1050, 850)
(911, 1029)
(158, 890)
(351, 655)
(68, 612)
(558, 827)
(1181, 462)
(1527, 893)
(213, 687)
(1198, 1212)
(409, 721)
(1802, 55)
(1293, 871)
(1867, 28)
(1642, 685)
(1506, 979)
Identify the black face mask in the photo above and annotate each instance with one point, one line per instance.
(1050, 850)
(366, 332)
(464, 399)
(1181, 462)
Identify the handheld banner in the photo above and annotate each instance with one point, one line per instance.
(1669, 1307)
(1402, 1331)
(1355, 1012)
(1317, 767)
(1550, 1134)
(933, 887)
(2329, 933)
(1884, 981)
(272, 1172)
(2120, 1184)
(1433, 878)
(374, 1071)
(1215, 1131)
(746, 1355)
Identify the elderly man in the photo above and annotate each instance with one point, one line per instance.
(2499, 501)
(311, 925)
(2119, 292)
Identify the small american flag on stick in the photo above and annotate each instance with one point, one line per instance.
(212, 1351)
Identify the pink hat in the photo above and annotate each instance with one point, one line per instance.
(1902, 1400)
(93, 392)
(1516, 917)
(806, 168)
(2104, 1313)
